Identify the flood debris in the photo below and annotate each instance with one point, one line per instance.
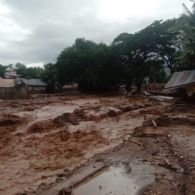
(154, 123)
(168, 165)
(9, 119)
(182, 83)
(65, 192)
(50, 143)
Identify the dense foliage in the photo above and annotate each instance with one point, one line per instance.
(29, 73)
(23, 71)
(2, 70)
(93, 66)
(130, 58)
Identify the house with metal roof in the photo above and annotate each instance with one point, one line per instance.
(20, 88)
(34, 85)
(7, 83)
(11, 74)
(182, 81)
(34, 82)
(9, 89)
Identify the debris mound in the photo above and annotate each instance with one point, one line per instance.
(9, 119)
(63, 146)
(41, 126)
(71, 118)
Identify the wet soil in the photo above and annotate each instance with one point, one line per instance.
(147, 143)
(117, 180)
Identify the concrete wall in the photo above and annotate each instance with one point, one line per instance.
(35, 89)
(13, 93)
(20, 92)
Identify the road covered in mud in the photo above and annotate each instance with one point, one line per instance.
(45, 142)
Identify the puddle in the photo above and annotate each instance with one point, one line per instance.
(116, 181)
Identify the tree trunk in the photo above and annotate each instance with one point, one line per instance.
(138, 84)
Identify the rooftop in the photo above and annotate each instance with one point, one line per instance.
(11, 74)
(181, 79)
(34, 82)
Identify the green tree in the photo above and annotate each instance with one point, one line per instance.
(21, 70)
(2, 70)
(186, 28)
(34, 72)
(28, 73)
(92, 66)
(49, 75)
(139, 53)
(158, 40)
(130, 58)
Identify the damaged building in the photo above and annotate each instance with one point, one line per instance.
(20, 88)
(182, 83)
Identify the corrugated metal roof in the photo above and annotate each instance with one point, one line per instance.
(6, 83)
(181, 79)
(34, 82)
(11, 73)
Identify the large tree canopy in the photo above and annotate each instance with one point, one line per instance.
(146, 52)
(156, 41)
(93, 66)
(29, 73)
(131, 57)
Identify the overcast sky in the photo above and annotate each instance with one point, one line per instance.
(36, 31)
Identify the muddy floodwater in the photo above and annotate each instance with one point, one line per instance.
(116, 181)
(146, 143)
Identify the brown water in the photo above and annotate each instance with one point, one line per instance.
(116, 181)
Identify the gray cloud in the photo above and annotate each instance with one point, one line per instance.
(38, 30)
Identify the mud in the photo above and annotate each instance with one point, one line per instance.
(147, 142)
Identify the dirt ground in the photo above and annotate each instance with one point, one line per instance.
(44, 140)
